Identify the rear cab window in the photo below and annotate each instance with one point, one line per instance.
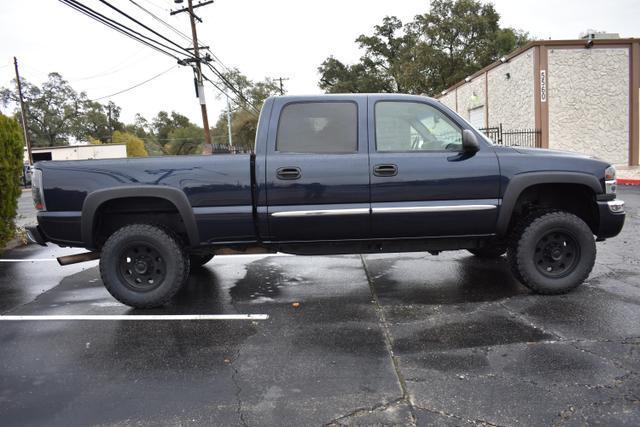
(318, 127)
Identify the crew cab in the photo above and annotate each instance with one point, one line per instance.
(333, 174)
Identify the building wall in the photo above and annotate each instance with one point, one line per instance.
(449, 100)
(470, 96)
(83, 152)
(511, 100)
(588, 96)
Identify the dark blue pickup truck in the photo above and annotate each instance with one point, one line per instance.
(333, 174)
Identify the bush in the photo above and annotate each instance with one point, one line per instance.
(135, 146)
(11, 163)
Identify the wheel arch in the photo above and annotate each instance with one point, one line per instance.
(98, 198)
(522, 182)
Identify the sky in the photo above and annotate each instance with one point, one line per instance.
(276, 38)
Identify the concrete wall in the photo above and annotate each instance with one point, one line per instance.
(449, 100)
(511, 99)
(83, 152)
(471, 95)
(588, 96)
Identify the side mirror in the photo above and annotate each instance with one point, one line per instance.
(469, 141)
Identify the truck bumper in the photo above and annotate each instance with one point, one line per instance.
(35, 236)
(611, 218)
(61, 228)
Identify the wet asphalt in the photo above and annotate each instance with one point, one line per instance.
(390, 339)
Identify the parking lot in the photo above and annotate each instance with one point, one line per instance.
(392, 339)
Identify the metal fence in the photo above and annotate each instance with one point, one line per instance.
(529, 138)
(226, 149)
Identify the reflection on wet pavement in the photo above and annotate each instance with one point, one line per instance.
(385, 339)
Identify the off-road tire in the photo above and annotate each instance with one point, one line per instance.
(199, 259)
(489, 251)
(552, 252)
(159, 249)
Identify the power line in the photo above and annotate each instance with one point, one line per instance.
(113, 70)
(230, 85)
(166, 24)
(136, 85)
(121, 28)
(144, 26)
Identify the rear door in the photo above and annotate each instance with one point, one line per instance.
(317, 169)
(422, 184)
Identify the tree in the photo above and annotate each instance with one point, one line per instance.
(453, 40)
(164, 123)
(185, 140)
(135, 146)
(245, 108)
(53, 109)
(143, 130)
(11, 161)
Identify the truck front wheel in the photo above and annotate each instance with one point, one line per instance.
(143, 266)
(554, 252)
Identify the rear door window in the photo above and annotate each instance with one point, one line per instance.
(318, 127)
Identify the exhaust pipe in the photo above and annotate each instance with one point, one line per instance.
(74, 259)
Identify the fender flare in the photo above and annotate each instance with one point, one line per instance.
(521, 182)
(177, 197)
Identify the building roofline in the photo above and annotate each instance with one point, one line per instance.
(534, 43)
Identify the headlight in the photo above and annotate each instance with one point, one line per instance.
(36, 190)
(610, 182)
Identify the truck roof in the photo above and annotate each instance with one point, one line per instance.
(354, 96)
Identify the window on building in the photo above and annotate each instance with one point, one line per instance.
(413, 126)
(318, 127)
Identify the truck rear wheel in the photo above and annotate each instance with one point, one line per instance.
(554, 252)
(143, 266)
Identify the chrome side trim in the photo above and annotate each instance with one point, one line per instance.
(449, 208)
(323, 212)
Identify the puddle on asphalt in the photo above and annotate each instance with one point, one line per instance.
(479, 331)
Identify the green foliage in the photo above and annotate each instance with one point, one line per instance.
(135, 146)
(56, 112)
(164, 123)
(244, 119)
(453, 40)
(185, 140)
(11, 163)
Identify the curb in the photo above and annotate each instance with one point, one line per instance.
(625, 181)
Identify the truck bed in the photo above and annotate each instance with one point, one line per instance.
(218, 188)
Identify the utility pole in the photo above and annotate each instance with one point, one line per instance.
(109, 117)
(229, 123)
(208, 149)
(281, 79)
(23, 112)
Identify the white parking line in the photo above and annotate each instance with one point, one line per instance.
(140, 317)
(28, 260)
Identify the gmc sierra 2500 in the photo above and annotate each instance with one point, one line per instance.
(333, 174)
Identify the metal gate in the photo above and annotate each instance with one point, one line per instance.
(529, 138)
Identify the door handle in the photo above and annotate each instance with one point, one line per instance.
(288, 173)
(385, 170)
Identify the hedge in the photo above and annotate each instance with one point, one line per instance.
(11, 164)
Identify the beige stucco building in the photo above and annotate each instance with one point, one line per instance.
(582, 95)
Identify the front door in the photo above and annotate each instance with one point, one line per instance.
(422, 184)
(317, 170)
